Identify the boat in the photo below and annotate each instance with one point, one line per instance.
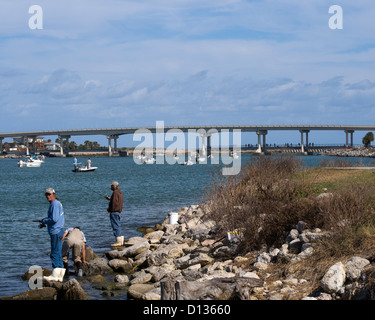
(83, 168)
(234, 155)
(30, 162)
(201, 159)
(187, 163)
(149, 160)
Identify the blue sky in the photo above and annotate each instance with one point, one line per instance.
(118, 63)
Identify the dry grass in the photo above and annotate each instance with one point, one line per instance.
(272, 194)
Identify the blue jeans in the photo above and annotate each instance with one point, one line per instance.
(56, 246)
(115, 223)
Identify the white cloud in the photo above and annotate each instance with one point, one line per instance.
(121, 62)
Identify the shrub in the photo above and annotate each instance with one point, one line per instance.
(271, 195)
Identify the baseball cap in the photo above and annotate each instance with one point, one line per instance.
(50, 191)
(115, 183)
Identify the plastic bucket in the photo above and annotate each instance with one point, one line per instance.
(173, 217)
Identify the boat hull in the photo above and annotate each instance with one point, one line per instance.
(85, 169)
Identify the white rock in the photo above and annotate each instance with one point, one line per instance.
(263, 257)
(252, 275)
(258, 266)
(122, 278)
(155, 236)
(334, 278)
(354, 267)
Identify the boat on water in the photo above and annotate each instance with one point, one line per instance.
(149, 160)
(86, 168)
(31, 162)
(187, 163)
(234, 155)
(83, 168)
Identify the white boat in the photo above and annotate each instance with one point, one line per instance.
(148, 160)
(83, 168)
(234, 155)
(141, 157)
(187, 163)
(30, 162)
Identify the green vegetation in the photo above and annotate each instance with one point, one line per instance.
(367, 139)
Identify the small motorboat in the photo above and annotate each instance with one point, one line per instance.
(83, 168)
(187, 163)
(30, 162)
(149, 160)
(234, 155)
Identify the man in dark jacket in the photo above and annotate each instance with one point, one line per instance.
(114, 209)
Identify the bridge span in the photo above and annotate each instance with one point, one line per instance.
(204, 131)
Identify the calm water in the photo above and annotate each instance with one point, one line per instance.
(149, 192)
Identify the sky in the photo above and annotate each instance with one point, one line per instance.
(119, 63)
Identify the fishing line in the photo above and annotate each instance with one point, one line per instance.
(90, 189)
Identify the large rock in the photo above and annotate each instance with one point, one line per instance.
(334, 278)
(90, 254)
(45, 293)
(154, 237)
(163, 254)
(141, 278)
(214, 289)
(129, 252)
(120, 265)
(96, 266)
(354, 267)
(192, 259)
(71, 290)
(136, 291)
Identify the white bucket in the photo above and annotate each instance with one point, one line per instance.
(173, 217)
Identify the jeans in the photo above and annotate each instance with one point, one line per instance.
(56, 246)
(115, 223)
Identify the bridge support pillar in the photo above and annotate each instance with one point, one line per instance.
(62, 149)
(109, 146)
(304, 147)
(110, 150)
(261, 133)
(206, 147)
(34, 145)
(26, 144)
(1, 145)
(351, 138)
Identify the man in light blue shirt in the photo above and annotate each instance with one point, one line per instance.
(55, 225)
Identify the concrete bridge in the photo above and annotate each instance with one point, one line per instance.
(204, 131)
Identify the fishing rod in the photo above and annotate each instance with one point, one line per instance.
(102, 195)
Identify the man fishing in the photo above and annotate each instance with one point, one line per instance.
(114, 209)
(55, 225)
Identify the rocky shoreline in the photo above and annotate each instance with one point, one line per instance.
(186, 261)
(352, 152)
